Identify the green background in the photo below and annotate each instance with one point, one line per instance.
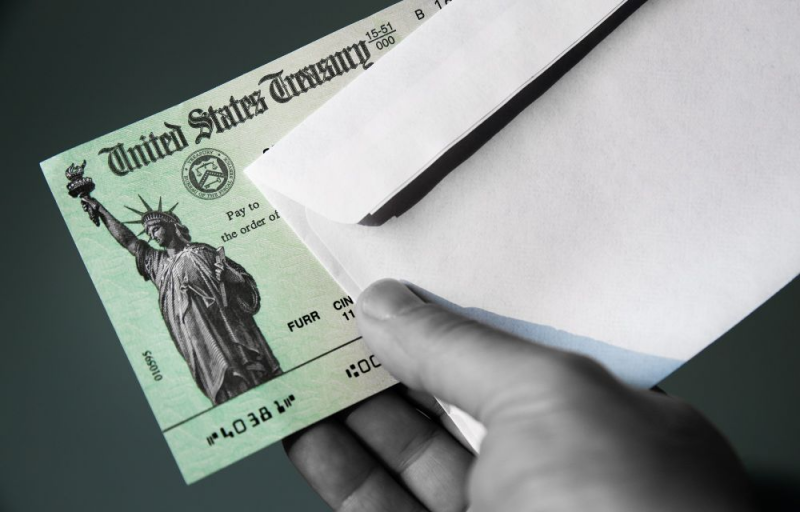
(72, 71)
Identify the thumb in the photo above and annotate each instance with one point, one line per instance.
(468, 364)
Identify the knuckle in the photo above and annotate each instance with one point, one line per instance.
(575, 366)
(416, 446)
(684, 416)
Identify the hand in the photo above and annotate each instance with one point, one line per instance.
(219, 269)
(223, 271)
(562, 433)
(94, 205)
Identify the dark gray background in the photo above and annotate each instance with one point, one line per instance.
(76, 432)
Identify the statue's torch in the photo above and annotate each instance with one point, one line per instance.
(80, 186)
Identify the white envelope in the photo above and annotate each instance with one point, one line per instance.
(638, 209)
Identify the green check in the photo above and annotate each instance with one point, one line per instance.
(236, 333)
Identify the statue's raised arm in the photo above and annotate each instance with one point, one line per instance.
(118, 230)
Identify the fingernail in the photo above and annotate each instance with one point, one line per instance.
(388, 298)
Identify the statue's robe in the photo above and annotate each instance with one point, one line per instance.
(214, 330)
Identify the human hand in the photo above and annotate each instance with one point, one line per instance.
(562, 433)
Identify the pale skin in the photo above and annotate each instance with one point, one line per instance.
(563, 434)
(164, 234)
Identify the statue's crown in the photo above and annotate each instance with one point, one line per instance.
(151, 215)
(75, 171)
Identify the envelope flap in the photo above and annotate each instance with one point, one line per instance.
(421, 99)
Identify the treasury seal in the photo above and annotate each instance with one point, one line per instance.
(208, 173)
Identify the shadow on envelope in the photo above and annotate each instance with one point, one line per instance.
(412, 193)
(633, 367)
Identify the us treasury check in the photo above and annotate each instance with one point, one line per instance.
(236, 333)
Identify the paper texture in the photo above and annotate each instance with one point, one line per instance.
(635, 212)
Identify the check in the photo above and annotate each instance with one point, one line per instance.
(236, 333)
